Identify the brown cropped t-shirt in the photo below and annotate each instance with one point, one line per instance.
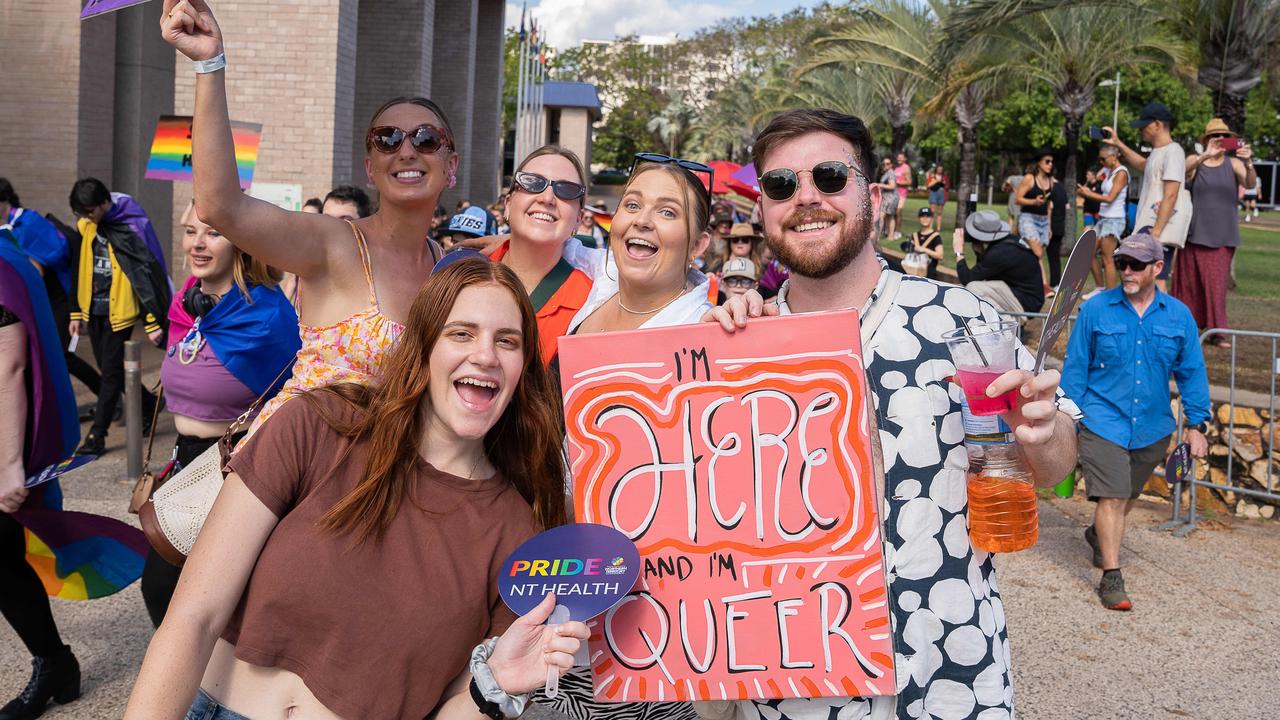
(375, 630)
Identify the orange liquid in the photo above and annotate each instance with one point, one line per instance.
(1002, 514)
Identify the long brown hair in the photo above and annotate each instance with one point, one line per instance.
(525, 445)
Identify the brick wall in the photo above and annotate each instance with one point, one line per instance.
(39, 148)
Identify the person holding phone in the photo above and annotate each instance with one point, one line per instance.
(1163, 202)
(1215, 178)
(1113, 179)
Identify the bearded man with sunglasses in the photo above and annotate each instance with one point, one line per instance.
(820, 212)
(1125, 344)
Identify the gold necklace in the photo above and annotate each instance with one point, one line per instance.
(663, 306)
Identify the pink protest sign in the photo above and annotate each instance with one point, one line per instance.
(741, 467)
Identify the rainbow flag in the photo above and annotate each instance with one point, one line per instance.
(79, 556)
(171, 149)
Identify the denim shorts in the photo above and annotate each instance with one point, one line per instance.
(1109, 226)
(937, 197)
(206, 708)
(1033, 227)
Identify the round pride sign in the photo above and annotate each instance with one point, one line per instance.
(589, 567)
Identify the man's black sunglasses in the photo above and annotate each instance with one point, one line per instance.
(829, 177)
(689, 165)
(535, 183)
(1131, 264)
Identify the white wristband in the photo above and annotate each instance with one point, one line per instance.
(213, 64)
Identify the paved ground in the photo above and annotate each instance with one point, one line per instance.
(1201, 643)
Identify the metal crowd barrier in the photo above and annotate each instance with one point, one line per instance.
(1181, 525)
(1183, 520)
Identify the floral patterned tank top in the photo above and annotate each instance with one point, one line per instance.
(350, 350)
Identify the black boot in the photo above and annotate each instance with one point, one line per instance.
(54, 678)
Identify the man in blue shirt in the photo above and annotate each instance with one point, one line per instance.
(1127, 342)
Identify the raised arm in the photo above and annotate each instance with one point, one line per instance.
(296, 242)
(1132, 158)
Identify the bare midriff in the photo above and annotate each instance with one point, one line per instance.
(262, 693)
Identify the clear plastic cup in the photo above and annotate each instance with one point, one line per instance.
(983, 351)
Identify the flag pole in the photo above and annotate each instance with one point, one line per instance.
(520, 95)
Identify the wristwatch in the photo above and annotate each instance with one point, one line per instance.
(488, 707)
(1199, 427)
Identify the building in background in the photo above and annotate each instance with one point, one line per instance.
(82, 97)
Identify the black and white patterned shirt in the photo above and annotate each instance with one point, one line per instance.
(951, 646)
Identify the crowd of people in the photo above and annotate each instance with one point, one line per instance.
(387, 374)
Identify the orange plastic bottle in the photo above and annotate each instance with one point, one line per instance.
(1002, 498)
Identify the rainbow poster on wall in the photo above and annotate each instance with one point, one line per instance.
(171, 149)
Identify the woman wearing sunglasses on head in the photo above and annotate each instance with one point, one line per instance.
(355, 280)
(543, 205)
(348, 568)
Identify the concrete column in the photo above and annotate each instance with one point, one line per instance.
(485, 161)
(96, 113)
(453, 83)
(144, 68)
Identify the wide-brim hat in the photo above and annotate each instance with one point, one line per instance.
(1045, 151)
(985, 226)
(743, 230)
(1216, 126)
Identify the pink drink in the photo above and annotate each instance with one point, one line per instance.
(975, 382)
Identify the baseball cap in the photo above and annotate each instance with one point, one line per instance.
(985, 226)
(738, 267)
(925, 211)
(1151, 112)
(1141, 246)
(473, 221)
(722, 216)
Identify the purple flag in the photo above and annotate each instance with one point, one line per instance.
(98, 7)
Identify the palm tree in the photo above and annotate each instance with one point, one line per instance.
(671, 126)
(842, 88)
(1065, 49)
(1235, 41)
(726, 127)
(890, 42)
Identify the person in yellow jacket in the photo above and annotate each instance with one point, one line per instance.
(119, 281)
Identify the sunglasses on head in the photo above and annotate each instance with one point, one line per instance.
(535, 184)
(1131, 264)
(829, 177)
(425, 139)
(690, 165)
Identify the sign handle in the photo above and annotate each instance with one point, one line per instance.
(558, 616)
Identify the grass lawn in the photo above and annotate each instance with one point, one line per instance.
(1253, 305)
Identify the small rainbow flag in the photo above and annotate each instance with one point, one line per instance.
(79, 556)
(171, 149)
